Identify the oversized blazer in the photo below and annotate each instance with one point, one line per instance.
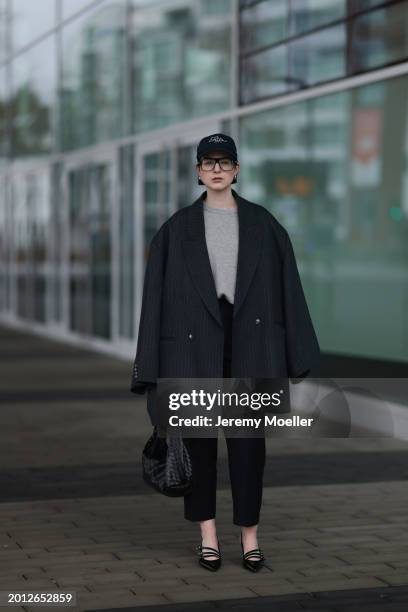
(181, 331)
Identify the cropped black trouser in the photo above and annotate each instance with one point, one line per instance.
(246, 461)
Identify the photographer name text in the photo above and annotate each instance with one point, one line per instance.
(255, 422)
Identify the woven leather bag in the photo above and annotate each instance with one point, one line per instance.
(166, 465)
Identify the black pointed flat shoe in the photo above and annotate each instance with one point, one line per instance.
(256, 562)
(206, 551)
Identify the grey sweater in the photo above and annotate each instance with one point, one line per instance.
(222, 234)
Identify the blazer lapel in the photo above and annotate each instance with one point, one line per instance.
(198, 261)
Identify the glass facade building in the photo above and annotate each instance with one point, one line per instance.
(102, 104)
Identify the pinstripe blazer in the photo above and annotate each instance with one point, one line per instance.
(181, 331)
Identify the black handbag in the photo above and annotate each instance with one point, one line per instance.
(166, 465)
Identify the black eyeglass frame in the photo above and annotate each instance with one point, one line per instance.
(215, 160)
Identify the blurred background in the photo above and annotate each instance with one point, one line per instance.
(102, 105)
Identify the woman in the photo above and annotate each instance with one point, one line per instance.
(217, 169)
(222, 297)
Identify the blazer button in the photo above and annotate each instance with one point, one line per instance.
(257, 321)
(190, 336)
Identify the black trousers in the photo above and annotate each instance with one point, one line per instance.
(246, 461)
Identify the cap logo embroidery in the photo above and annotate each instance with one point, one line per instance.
(217, 139)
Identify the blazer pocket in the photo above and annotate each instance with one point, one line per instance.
(167, 338)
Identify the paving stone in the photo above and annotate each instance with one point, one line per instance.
(195, 593)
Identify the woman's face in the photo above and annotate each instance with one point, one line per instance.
(217, 178)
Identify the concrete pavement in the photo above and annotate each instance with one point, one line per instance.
(75, 513)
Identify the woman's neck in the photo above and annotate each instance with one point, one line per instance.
(220, 199)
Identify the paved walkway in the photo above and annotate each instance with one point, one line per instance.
(75, 514)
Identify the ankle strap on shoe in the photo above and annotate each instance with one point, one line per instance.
(204, 553)
(256, 552)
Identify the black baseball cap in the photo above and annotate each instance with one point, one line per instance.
(217, 142)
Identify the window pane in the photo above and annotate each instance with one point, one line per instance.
(380, 37)
(308, 14)
(215, 7)
(156, 181)
(70, 7)
(187, 184)
(3, 31)
(181, 62)
(362, 5)
(126, 241)
(93, 77)
(318, 57)
(39, 199)
(333, 170)
(30, 20)
(31, 198)
(265, 74)
(33, 100)
(263, 24)
(100, 249)
(90, 250)
(5, 242)
(3, 115)
(247, 3)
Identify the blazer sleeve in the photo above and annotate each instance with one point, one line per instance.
(302, 347)
(146, 363)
